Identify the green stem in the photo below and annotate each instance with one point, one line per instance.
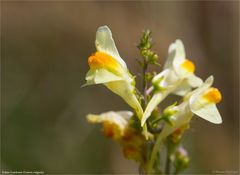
(144, 83)
(144, 89)
(168, 163)
(155, 150)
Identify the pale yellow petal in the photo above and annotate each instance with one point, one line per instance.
(114, 123)
(194, 81)
(153, 103)
(105, 43)
(100, 76)
(208, 112)
(183, 88)
(196, 93)
(125, 90)
(180, 55)
(176, 55)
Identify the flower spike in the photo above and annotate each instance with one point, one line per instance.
(142, 141)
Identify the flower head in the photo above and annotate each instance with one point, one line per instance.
(178, 71)
(177, 77)
(201, 102)
(108, 68)
(114, 123)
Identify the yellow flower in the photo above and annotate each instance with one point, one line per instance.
(108, 68)
(114, 123)
(177, 77)
(116, 126)
(201, 102)
(180, 66)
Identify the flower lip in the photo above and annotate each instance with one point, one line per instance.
(188, 65)
(212, 95)
(111, 130)
(114, 123)
(102, 60)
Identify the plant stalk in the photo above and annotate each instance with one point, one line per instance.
(168, 164)
(144, 83)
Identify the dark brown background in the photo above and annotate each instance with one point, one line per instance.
(44, 51)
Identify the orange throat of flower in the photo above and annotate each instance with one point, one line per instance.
(112, 130)
(102, 60)
(213, 95)
(188, 66)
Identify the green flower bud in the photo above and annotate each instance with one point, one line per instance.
(181, 160)
(169, 112)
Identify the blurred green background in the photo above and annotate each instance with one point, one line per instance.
(44, 51)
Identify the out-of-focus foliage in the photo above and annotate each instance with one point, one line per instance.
(44, 51)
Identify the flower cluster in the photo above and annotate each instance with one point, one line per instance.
(142, 132)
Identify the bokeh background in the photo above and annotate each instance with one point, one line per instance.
(44, 51)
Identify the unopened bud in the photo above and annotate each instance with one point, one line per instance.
(181, 159)
(169, 113)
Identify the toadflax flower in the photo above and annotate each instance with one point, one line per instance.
(201, 102)
(108, 68)
(177, 78)
(116, 125)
